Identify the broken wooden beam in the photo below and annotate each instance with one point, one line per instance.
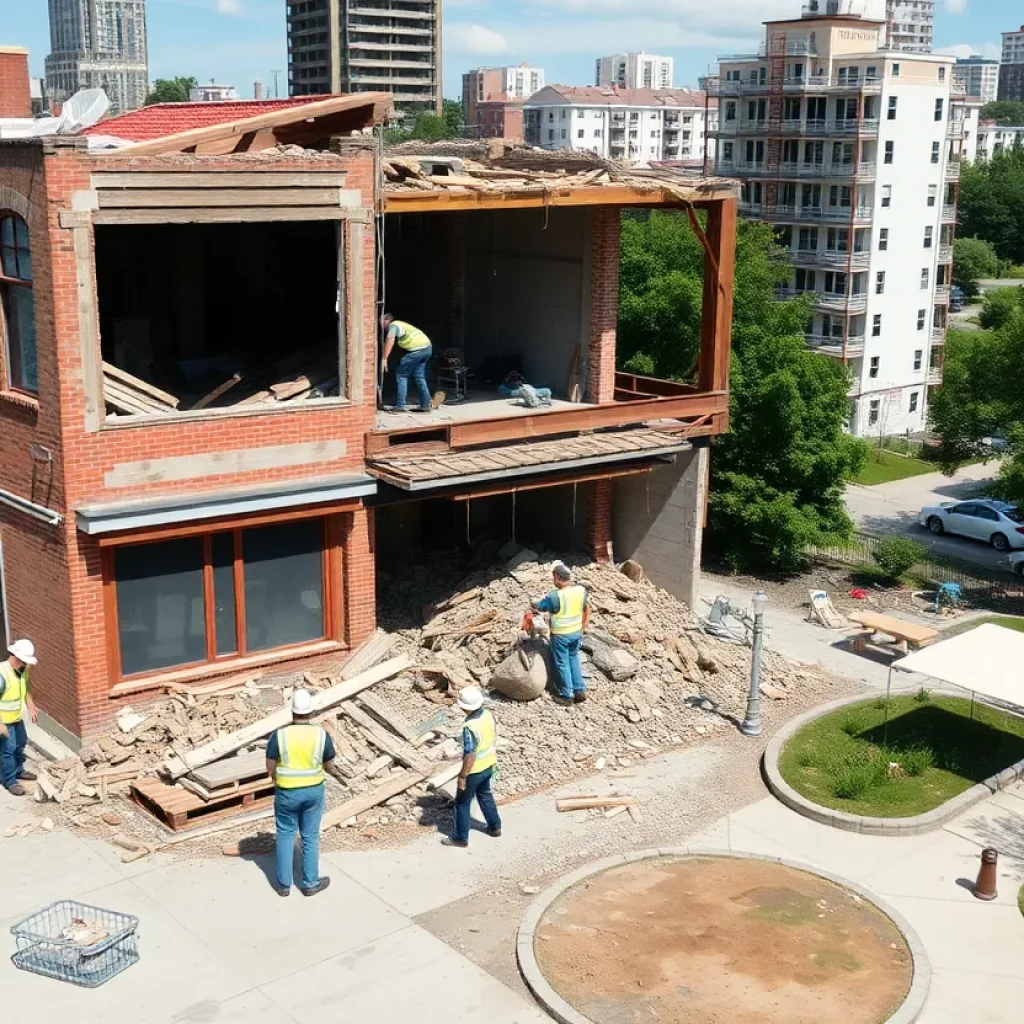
(350, 808)
(586, 803)
(387, 715)
(219, 390)
(384, 741)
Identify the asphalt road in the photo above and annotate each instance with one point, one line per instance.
(893, 508)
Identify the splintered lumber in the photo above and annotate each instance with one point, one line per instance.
(445, 775)
(384, 741)
(454, 602)
(219, 390)
(586, 803)
(183, 762)
(350, 808)
(481, 624)
(46, 786)
(368, 654)
(614, 812)
(232, 769)
(133, 383)
(387, 715)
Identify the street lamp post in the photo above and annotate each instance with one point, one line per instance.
(751, 724)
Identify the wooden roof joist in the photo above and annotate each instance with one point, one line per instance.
(299, 125)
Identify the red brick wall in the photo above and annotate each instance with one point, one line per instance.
(599, 520)
(15, 96)
(604, 302)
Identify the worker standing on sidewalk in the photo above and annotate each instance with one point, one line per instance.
(15, 700)
(417, 350)
(569, 608)
(297, 756)
(479, 756)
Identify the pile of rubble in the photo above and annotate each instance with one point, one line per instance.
(655, 681)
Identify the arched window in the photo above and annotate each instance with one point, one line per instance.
(19, 324)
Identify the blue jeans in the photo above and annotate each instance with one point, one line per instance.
(477, 785)
(298, 809)
(413, 364)
(565, 652)
(12, 754)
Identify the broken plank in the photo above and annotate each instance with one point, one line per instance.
(586, 803)
(368, 654)
(614, 812)
(350, 808)
(445, 775)
(384, 741)
(192, 759)
(387, 715)
(219, 390)
(133, 382)
(46, 786)
(232, 769)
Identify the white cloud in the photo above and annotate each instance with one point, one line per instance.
(699, 15)
(229, 6)
(475, 5)
(956, 6)
(993, 50)
(474, 40)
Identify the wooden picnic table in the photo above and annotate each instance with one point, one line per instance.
(906, 634)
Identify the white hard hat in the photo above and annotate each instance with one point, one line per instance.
(24, 650)
(471, 698)
(302, 702)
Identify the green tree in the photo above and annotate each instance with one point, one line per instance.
(1004, 112)
(451, 114)
(1000, 305)
(778, 476)
(973, 260)
(427, 126)
(992, 203)
(171, 90)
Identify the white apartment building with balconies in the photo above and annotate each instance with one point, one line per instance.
(638, 126)
(634, 71)
(852, 152)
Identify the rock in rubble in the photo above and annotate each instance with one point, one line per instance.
(634, 570)
(610, 658)
(524, 674)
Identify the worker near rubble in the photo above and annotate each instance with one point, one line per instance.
(297, 758)
(479, 757)
(15, 700)
(568, 607)
(416, 353)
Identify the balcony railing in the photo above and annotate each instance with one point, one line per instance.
(953, 170)
(945, 254)
(955, 128)
(832, 258)
(855, 126)
(934, 375)
(829, 214)
(796, 83)
(793, 48)
(839, 302)
(948, 211)
(831, 346)
(805, 82)
(942, 293)
(938, 335)
(795, 169)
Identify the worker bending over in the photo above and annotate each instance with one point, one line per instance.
(569, 609)
(297, 757)
(15, 700)
(479, 756)
(416, 353)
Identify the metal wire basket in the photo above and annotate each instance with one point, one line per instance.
(76, 942)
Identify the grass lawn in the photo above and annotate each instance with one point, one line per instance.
(842, 760)
(881, 467)
(996, 620)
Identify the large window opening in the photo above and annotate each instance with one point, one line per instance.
(215, 315)
(206, 598)
(16, 304)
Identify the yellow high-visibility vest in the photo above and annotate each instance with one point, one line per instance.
(410, 338)
(300, 761)
(13, 689)
(485, 729)
(569, 617)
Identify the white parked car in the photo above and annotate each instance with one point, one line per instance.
(995, 522)
(1017, 562)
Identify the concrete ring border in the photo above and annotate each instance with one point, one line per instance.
(864, 824)
(907, 1012)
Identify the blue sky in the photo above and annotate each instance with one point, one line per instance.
(238, 41)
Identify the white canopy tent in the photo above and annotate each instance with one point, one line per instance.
(987, 660)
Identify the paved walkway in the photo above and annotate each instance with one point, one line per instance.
(219, 946)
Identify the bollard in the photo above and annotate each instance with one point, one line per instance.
(985, 886)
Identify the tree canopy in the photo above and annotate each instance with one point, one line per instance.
(1010, 112)
(171, 90)
(973, 261)
(428, 127)
(992, 203)
(777, 477)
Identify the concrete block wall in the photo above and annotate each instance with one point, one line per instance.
(15, 94)
(657, 519)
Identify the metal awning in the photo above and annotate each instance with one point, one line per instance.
(444, 470)
(100, 519)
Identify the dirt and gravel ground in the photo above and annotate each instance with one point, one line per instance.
(685, 940)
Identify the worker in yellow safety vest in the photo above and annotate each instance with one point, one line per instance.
(479, 757)
(568, 607)
(298, 756)
(15, 700)
(416, 353)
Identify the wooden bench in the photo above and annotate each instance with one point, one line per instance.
(907, 635)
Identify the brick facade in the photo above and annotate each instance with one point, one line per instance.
(604, 303)
(15, 94)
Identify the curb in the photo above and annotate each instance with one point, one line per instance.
(907, 1012)
(914, 826)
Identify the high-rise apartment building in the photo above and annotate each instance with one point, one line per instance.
(634, 71)
(852, 152)
(484, 90)
(911, 25)
(977, 76)
(1011, 66)
(394, 46)
(98, 44)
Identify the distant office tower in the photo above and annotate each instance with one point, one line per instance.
(1011, 68)
(98, 44)
(634, 71)
(335, 46)
(977, 76)
(911, 24)
(490, 95)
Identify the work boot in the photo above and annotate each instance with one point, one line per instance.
(28, 777)
(494, 833)
(580, 696)
(319, 887)
(16, 790)
(283, 890)
(565, 702)
(457, 843)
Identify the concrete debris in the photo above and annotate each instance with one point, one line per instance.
(524, 674)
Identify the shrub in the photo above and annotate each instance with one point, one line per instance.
(923, 696)
(805, 757)
(851, 779)
(897, 555)
(854, 724)
(916, 759)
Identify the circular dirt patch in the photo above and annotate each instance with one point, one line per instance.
(721, 940)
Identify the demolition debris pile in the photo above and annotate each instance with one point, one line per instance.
(655, 681)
